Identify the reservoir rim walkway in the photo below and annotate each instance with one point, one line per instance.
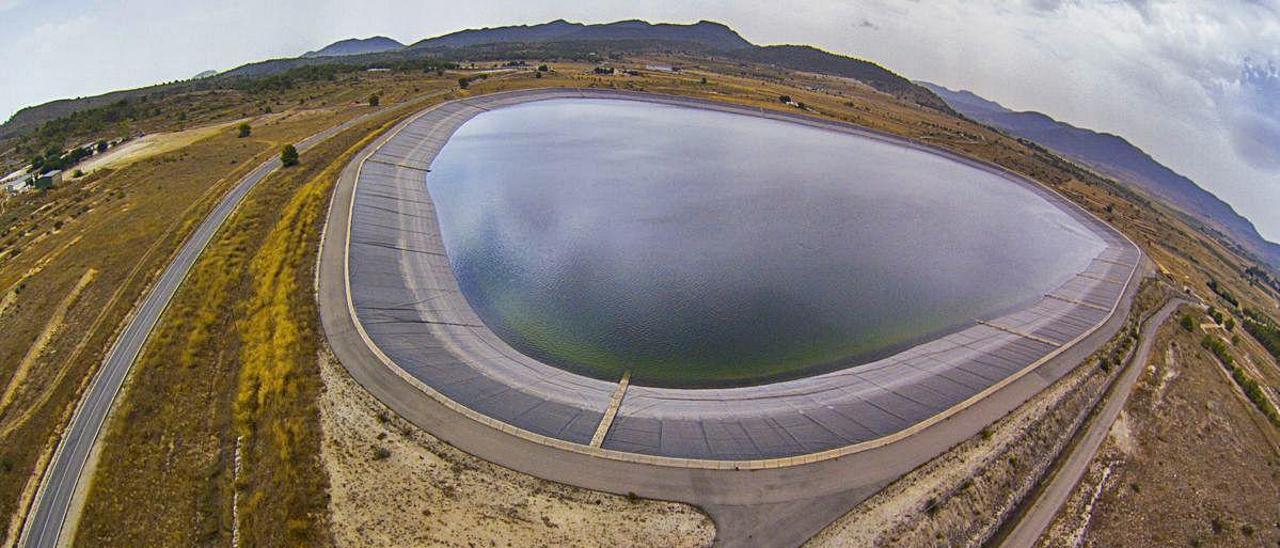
(779, 501)
(814, 418)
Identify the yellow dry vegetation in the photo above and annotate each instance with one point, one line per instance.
(278, 380)
(151, 145)
(52, 327)
(167, 473)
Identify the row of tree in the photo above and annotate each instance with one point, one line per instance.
(55, 159)
(1264, 329)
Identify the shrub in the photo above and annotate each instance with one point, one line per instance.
(1188, 323)
(243, 130)
(373, 100)
(1216, 315)
(289, 156)
(784, 98)
(632, 497)
(543, 68)
(463, 82)
(381, 453)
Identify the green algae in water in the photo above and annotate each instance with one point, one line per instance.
(699, 248)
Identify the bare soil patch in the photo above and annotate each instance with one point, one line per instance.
(392, 484)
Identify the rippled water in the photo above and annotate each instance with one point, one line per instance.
(699, 248)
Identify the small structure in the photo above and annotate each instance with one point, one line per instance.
(15, 186)
(15, 182)
(662, 68)
(48, 180)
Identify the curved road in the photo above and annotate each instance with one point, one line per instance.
(1032, 525)
(46, 523)
(772, 506)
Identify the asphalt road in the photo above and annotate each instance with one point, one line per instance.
(55, 499)
(765, 507)
(1059, 488)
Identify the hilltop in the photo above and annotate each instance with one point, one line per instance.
(557, 39)
(705, 33)
(356, 46)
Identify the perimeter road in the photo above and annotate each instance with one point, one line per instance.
(56, 497)
(1054, 494)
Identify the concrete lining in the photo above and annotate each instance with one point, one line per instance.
(406, 303)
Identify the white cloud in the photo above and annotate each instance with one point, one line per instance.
(1170, 77)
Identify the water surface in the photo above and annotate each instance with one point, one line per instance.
(699, 248)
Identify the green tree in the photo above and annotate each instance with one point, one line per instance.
(289, 156)
(102, 147)
(373, 100)
(1188, 323)
(543, 68)
(244, 131)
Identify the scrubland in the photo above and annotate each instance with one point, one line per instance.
(230, 429)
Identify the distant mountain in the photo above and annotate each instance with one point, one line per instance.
(205, 74)
(1116, 157)
(356, 46)
(555, 40)
(706, 33)
(811, 59)
(713, 37)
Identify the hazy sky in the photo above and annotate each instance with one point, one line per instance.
(1195, 84)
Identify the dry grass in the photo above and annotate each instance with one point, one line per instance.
(124, 223)
(1193, 463)
(149, 146)
(961, 497)
(119, 225)
(165, 475)
(200, 384)
(282, 487)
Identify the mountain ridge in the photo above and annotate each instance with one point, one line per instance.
(707, 33)
(552, 38)
(1115, 156)
(356, 46)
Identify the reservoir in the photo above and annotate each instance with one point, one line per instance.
(697, 248)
